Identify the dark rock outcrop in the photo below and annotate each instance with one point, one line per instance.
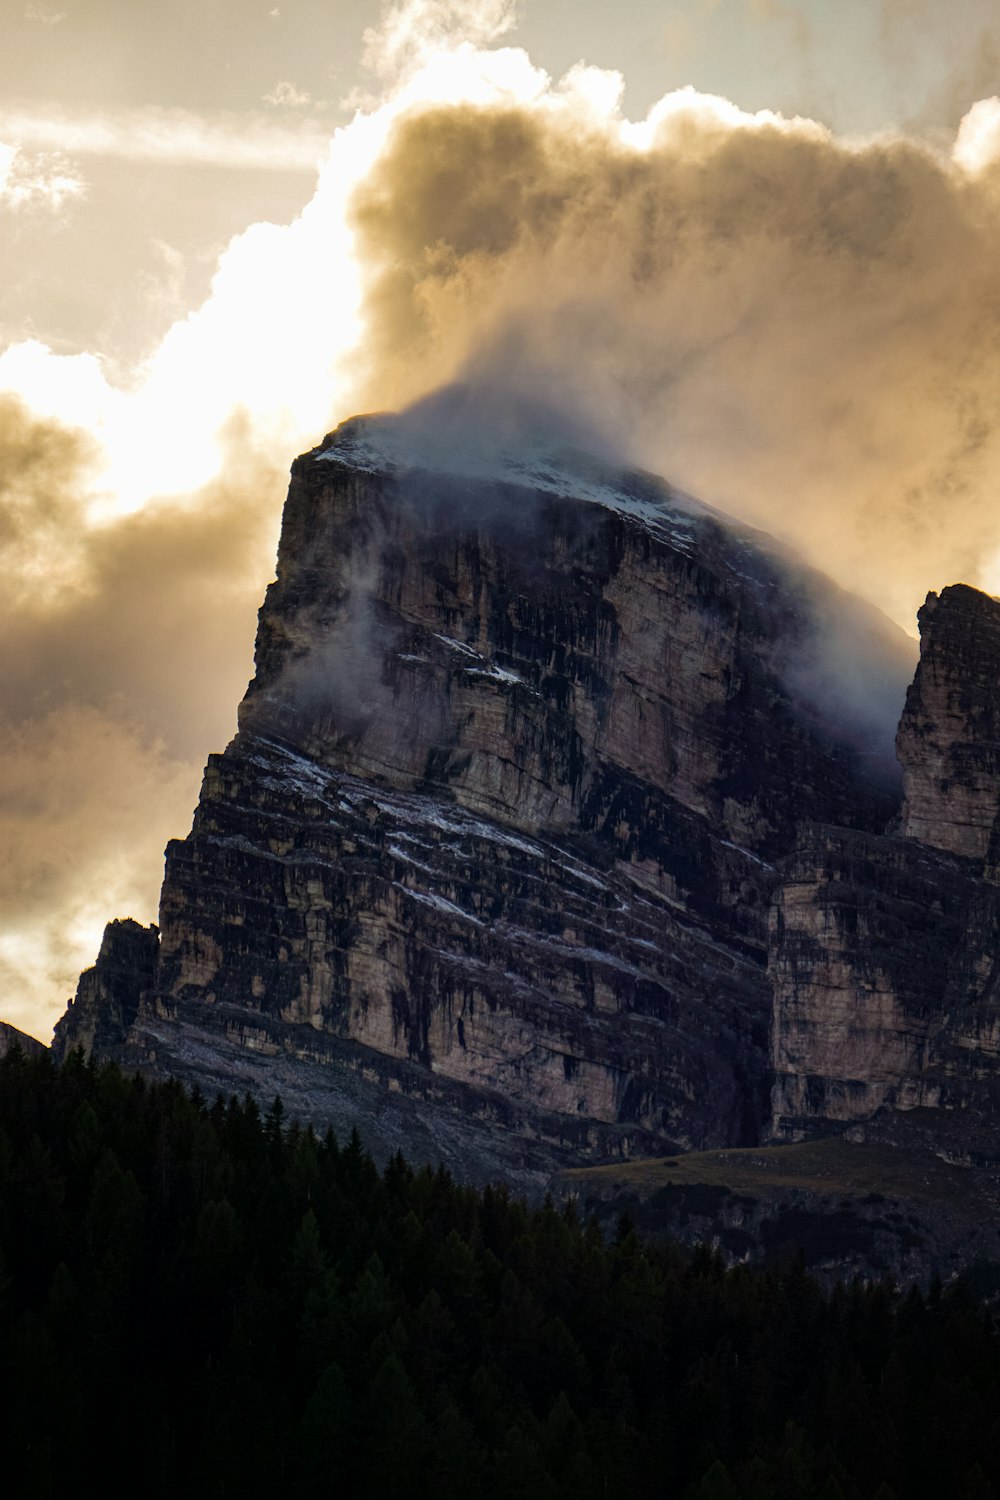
(107, 996)
(11, 1037)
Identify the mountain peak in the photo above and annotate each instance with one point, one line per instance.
(497, 438)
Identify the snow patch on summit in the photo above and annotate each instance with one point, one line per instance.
(391, 444)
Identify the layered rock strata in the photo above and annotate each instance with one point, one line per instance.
(498, 834)
(949, 735)
(107, 996)
(885, 951)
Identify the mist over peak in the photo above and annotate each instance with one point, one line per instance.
(466, 452)
(788, 324)
(478, 429)
(492, 414)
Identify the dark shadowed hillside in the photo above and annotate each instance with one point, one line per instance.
(208, 1301)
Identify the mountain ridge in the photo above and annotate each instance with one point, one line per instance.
(504, 856)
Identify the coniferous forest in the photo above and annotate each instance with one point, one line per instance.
(199, 1300)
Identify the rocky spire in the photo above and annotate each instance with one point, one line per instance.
(949, 735)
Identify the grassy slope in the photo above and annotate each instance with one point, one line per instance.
(832, 1166)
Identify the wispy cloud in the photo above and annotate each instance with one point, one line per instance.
(411, 32)
(46, 180)
(44, 15)
(174, 136)
(285, 95)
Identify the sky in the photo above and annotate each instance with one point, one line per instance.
(753, 244)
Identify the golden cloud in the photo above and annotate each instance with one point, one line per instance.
(117, 674)
(802, 331)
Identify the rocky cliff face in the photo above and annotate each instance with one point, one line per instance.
(885, 951)
(108, 995)
(488, 865)
(560, 826)
(949, 735)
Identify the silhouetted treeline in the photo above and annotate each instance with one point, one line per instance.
(196, 1300)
